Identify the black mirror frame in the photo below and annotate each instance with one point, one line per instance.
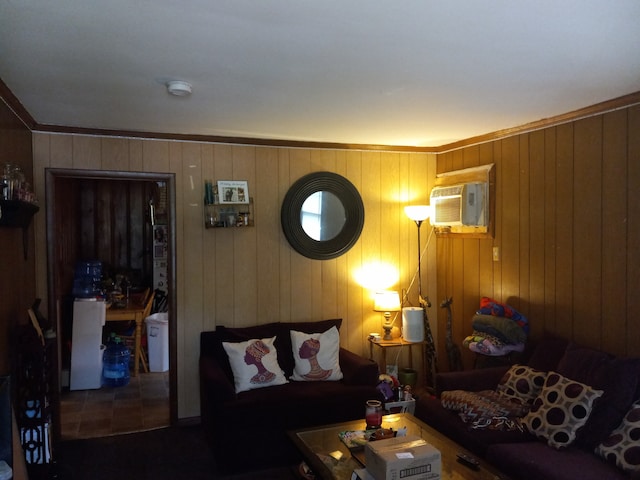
(292, 206)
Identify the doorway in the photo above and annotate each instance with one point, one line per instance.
(110, 216)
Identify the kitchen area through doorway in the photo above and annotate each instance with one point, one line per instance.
(112, 291)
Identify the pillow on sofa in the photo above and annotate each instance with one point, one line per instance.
(284, 340)
(239, 334)
(617, 377)
(622, 448)
(522, 383)
(316, 355)
(278, 329)
(560, 410)
(254, 364)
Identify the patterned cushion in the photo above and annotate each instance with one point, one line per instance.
(623, 445)
(562, 408)
(316, 356)
(254, 364)
(485, 409)
(522, 383)
(617, 377)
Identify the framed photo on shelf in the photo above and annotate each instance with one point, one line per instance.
(233, 191)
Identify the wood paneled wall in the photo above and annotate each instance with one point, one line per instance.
(568, 230)
(567, 226)
(17, 277)
(244, 276)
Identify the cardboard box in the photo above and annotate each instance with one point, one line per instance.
(408, 457)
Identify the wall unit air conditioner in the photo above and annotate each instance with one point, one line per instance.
(463, 204)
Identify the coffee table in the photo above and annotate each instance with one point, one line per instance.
(329, 457)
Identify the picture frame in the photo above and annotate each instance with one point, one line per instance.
(233, 191)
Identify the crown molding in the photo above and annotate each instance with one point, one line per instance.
(597, 109)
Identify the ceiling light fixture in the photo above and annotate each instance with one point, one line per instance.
(179, 88)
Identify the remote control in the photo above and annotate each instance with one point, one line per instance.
(468, 460)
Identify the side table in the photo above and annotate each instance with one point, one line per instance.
(383, 345)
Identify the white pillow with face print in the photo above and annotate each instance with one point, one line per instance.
(316, 356)
(254, 364)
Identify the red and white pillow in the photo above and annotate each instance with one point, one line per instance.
(522, 383)
(622, 448)
(561, 409)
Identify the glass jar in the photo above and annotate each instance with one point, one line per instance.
(18, 183)
(373, 414)
(8, 181)
(13, 182)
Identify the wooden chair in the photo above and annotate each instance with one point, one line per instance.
(147, 300)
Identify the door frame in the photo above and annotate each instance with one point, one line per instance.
(51, 177)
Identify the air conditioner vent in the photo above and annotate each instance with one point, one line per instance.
(462, 204)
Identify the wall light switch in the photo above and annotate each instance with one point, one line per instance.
(496, 254)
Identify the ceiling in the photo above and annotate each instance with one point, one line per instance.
(406, 73)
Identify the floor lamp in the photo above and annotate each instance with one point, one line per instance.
(419, 213)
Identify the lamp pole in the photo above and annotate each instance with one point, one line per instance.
(418, 214)
(424, 302)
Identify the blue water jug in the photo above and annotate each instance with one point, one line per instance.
(115, 364)
(87, 279)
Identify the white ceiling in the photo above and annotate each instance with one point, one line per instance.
(402, 72)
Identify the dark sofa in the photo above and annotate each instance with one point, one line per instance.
(520, 454)
(247, 430)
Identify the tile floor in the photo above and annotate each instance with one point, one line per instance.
(141, 405)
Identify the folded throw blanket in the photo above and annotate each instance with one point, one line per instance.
(501, 327)
(488, 306)
(485, 409)
(486, 344)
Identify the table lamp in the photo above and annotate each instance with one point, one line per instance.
(387, 301)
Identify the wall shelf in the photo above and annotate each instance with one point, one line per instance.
(228, 215)
(18, 214)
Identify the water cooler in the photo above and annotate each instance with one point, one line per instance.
(86, 344)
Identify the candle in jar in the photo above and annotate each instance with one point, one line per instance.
(373, 414)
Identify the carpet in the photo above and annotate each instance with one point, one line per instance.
(164, 454)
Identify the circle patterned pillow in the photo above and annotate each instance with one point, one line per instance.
(522, 383)
(562, 407)
(623, 445)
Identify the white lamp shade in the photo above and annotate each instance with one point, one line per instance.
(387, 301)
(418, 213)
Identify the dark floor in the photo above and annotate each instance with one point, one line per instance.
(123, 433)
(141, 405)
(162, 454)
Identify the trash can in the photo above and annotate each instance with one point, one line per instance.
(158, 341)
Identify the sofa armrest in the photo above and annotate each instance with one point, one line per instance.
(357, 370)
(470, 380)
(215, 386)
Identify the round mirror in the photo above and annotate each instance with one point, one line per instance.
(322, 215)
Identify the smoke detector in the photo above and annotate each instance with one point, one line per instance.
(179, 88)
